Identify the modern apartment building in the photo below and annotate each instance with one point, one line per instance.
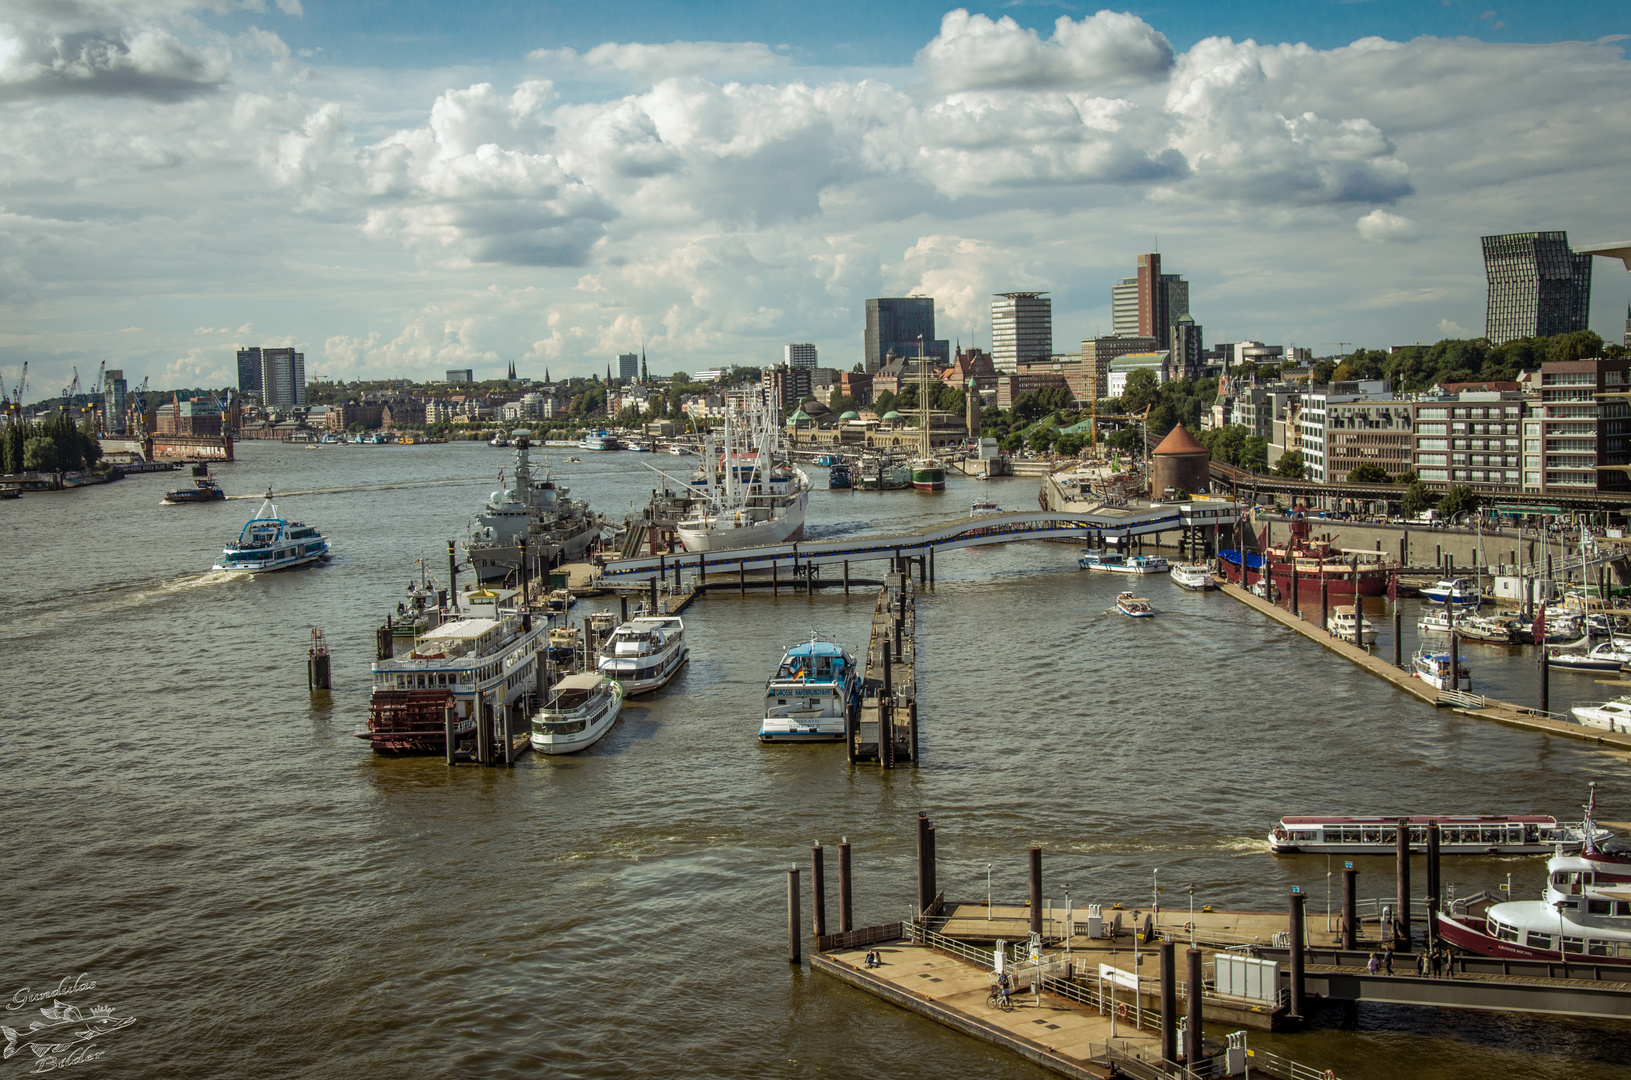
(786, 386)
(800, 355)
(1188, 350)
(1021, 329)
(628, 366)
(1575, 438)
(1344, 431)
(282, 376)
(460, 375)
(896, 323)
(113, 401)
(1096, 356)
(1537, 286)
(1471, 440)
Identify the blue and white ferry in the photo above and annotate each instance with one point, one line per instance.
(599, 440)
(1458, 591)
(1117, 563)
(815, 691)
(268, 542)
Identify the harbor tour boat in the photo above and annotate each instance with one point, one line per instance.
(1611, 655)
(1344, 571)
(645, 653)
(755, 497)
(579, 710)
(1458, 591)
(1583, 916)
(1116, 563)
(599, 440)
(482, 653)
(1345, 627)
(1504, 834)
(498, 440)
(269, 542)
(1434, 670)
(984, 506)
(204, 489)
(813, 695)
(1609, 715)
(1196, 576)
(838, 478)
(530, 507)
(1134, 606)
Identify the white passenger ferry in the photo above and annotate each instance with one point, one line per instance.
(1514, 834)
(579, 710)
(268, 542)
(815, 691)
(1583, 916)
(1117, 563)
(483, 653)
(645, 652)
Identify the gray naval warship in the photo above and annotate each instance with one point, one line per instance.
(558, 529)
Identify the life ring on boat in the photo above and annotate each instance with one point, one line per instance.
(1121, 1011)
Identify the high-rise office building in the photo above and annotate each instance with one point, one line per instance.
(1187, 346)
(898, 322)
(800, 355)
(1149, 303)
(461, 375)
(249, 371)
(283, 377)
(628, 366)
(1537, 286)
(1021, 330)
(1096, 356)
(113, 401)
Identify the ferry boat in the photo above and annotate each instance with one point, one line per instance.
(1609, 715)
(1312, 561)
(557, 528)
(1196, 576)
(755, 498)
(1609, 656)
(1458, 591)
(827, 461)
(268, 542)
(812, 696)
(1583, 916)
(579, 710)
(1345, 625)
(928, 475)
(838, 478)
(879, 473)
(645, 653)
(481, 652)
(204, 489)
(1434, 670)
(1502, 834)
(599, 440)
(1134, 606)
(1117, 563)
(984, 506)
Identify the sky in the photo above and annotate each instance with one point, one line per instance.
(400, 188)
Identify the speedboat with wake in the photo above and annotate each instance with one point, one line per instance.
(813, 695)
(1135, 607)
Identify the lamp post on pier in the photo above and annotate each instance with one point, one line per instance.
(987, 892)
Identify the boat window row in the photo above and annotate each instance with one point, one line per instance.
(1573, 880)
(426, 680)
(1547, 942)
(1388, 834)
(1620, 909)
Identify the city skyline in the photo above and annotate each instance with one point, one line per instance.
(719, 190)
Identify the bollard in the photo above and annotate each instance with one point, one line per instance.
(795, 940)
(1297, 958)
(1435, 882)
(1325, 604)
(923, 871)
(447, 728)
(931, 566)
(818, 893)
(1036, 890)
(623, 608)
(1350, 908)
(1545, 680)
(1401, 854)
(846, 577)
(775, 581)
(1398, 637)
(845, 919)
(1192, 1025)
(1169, 1002)
(1455, 659)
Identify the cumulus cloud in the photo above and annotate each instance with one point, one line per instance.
(675, 59)
(975, 52)
(144, 60)
(1379, 225)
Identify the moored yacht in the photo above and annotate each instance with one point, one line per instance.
(1609, 715)
(1469, 627)
(1434, 670)
(1458, 591)
(579, 710)
(645, 652)
(1195, 576)
(1609, 656)
(269, 542)
(1345, 626)
(1117, 563)
(815, 691)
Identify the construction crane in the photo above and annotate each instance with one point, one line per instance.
(140, 398)
(70, 391)
(101, 379)
(17, 391)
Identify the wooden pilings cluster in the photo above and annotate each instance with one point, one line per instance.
(885, 729)
(318, 678)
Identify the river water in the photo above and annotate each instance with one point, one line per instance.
(230, 867)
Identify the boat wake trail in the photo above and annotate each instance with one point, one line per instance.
(49, 613)
(368, 487)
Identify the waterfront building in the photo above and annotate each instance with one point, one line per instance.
(461, 375)
(1576, 442)
(1537, 286)
(708, 375)
(1158, 363)
(1010, 387)
(801, 355)
(1365, 429)
(856, 385)
(1021, 329)
(897, 322)
(113, 401)
(1069, 365)
(786, 386)
(195, 416)
(1471, 439)
(1097, 353)
(1188, 350)
(282, 376)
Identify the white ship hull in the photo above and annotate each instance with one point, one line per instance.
(724, 532)
(641, 675)
(552, 735)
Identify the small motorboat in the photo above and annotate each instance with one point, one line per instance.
(1117, 563)
(984, 506)
(1345, 626)
(204, 489)
(563, 644)
(498, 440)
(1134, 606)
(1196, 576)
(559, 601)
(1491, 628)
(1434, 670)
(838, 477)
(579, 710)
(1609, 715)
(1609, 656)
(1459, 591)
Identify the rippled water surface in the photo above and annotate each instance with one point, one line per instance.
(267, 898)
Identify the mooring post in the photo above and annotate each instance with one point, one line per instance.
(1297, 946)
(623, 609)
(886, 677)
(317, 664)
(850, 721)
(1350, 908)
(809, 577)
(1401, 909)
(1404, 548)
(1036, 890)
(452, 574)
(897, 636)
(1169, 1002)
(702, 573)
(1455, 658)
(447, 726)
(1192, 1024)
(931, 566)
(845, 918)
(846, 577)
(775, 581)
(795, 940)
(1545, 680)
(1398, 637)
(1295, 599)
(741, 577)
(911, 725)
(652, 581)
(934, 879)
(678, 584)
(923, 872)
(1435, 883)
(1325, 604)
(526, 575)
(818, 893)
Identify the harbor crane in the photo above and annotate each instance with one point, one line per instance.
(70, 391)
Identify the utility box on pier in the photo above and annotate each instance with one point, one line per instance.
(1095, 920)
(1241, 976)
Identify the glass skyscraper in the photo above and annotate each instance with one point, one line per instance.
(895, 323)
(1537, 286)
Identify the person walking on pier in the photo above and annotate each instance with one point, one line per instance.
(1421, 964)
(1387, 960)
(1371, 964)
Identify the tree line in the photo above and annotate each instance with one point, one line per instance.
(54, 444)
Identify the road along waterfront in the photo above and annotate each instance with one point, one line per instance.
(266, 896)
